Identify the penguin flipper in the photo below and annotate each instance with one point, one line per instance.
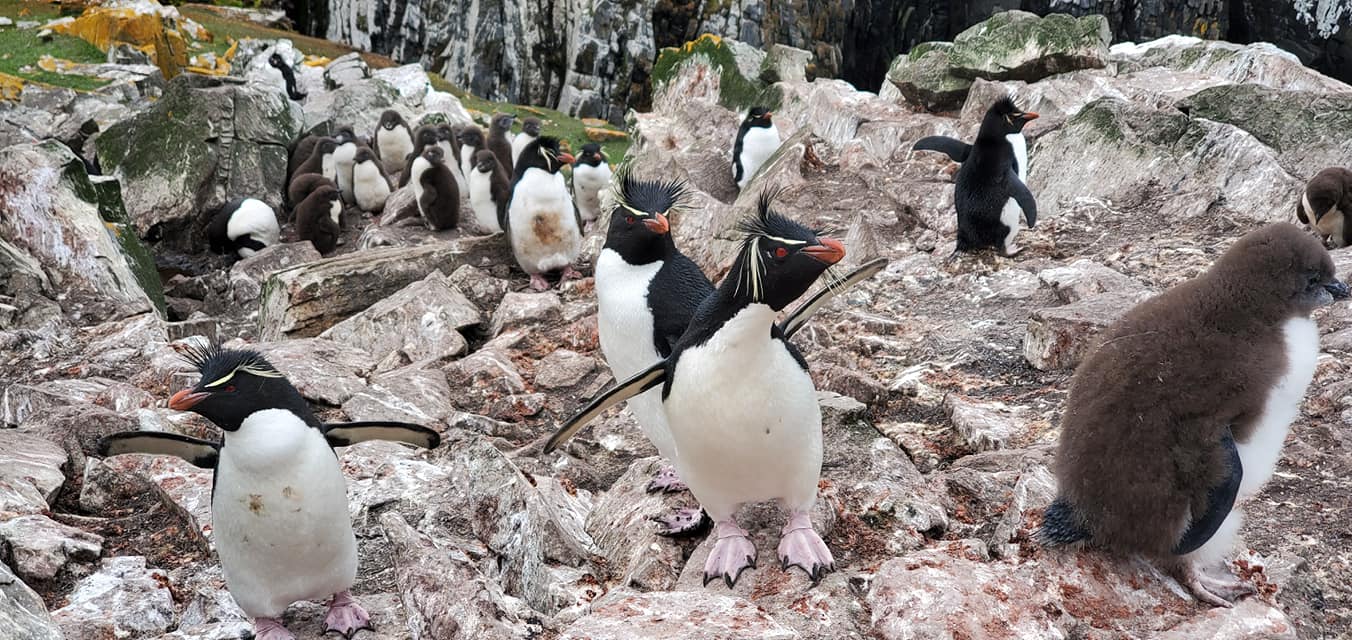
(1220, 500)
(800, 315)
(1024, 197)
(344, 434)
(643, 381)
(954, 148)
(1060, 525)
(198, 452)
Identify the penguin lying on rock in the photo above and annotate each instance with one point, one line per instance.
(1180, 415)
(990, 189)
(1326, 204)
(279, 499)
(244, 226)
(739, 403)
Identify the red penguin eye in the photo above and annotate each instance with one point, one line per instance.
(781, 252)
(230, 389)
(629, 219)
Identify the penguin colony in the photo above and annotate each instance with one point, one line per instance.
(711, 375)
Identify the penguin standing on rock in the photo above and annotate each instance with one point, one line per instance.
(288, 76)
(591, 174)
(321, 161)
(244, 226)
(489, 192)
(530, 130)
(306, 146)
(500, 140)
(344, 156)
(1326, 204)
(392, 141)
(303, 186)
(757, 140)
(434, 186)
(472, 142)
(370, 186)
(543, 227)
(279, 500)
(317, 219)
(424, 137)
(991, 187)
(1179, 417)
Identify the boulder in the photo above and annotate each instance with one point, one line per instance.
(248, 275)
(677, 615)
(1016, 45)
(1308, 130)
(785, 64)
(420, 322)
(1060, 337)
(479, 286)
(1260, 63)
(410, 394)
(71, 237)
(324, 371)
(30, 473)
(307, 299)
(22, 613)
(621, 525)
(711, 69)
(520, 309)
(922, 76)
(345, 70)
(209, 139)
(179, 484)
(125, 598)
(40, 547)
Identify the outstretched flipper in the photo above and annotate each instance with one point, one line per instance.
(344, 434)
(1024, 197)
(1220, 500)
(643, 381)
(799, 316)
(201, 453)
(954, 148)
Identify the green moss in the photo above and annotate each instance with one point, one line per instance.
(556, 123)
(20, 49)
(1099, 117)
(735, 90)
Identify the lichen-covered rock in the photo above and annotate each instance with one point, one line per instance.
(124, 599)
(1308, 130)
(923, 76)
(718, 70)
(22, 613)
(1017, 45)
(1060, 337)
(41, 547)
(420, 322)
(1261, 63)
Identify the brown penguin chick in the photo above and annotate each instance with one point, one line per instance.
(437, 195)
(321, 160)
(303, 185)
(500, 141)
(305, 146)
(1179, 416)
(424, 137)
(317, 219)
(1326, 204)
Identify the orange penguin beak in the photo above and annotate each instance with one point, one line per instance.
(186, 399)
(1030, 115)
(657, 224)
(829, 251)
(566, 158)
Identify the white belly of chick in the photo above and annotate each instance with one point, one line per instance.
(1260, 452)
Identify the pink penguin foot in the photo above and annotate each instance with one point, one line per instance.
(271, 629)
(538, 282)
(800, 546)
(666, 481)
(569, 273)
(345, 616)
(733, 553)
(682, 522)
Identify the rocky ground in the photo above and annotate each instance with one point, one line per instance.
(941, 382)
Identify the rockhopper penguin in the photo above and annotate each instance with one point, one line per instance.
(317, 219)
(757, 140)
(500, 140)
(1180, 415)
(244, 226)
(990, 187)
(288, 76)
(489, 192)
(1326, 204)
(392, 141)
(279, 500)
(543, 227)
(530, 130)
(591, 174)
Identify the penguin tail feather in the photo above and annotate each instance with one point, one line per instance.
(1060, 526)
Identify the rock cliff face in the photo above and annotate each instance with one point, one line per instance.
(592, 58)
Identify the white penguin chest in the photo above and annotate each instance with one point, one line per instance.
(369, 185)
(395, 144)
(415, 172)
(1260, 452)
(519, 144)
(758, 145)
(467, 160)
(624, 320)
(588, 181)
(481, 200)
(1020, 147)
(545, 235)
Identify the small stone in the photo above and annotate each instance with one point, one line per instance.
(30, 472)
(248, 275)
(563, 368)
(125, 598)
(421, 322)
(479, 286)
(1060, 337)
(984, 426)
(521, 309)
(1085, 278)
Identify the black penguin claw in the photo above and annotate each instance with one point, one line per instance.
(348, 634)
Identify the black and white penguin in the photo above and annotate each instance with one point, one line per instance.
(1179, 417)
(741, 407)
(423, 137)
(757, 140)
(392, 141)
(244, 226)
(448, 140)
(370, 185)
(489, 192)
(435, 190)
(990, 187)
(591, 174)
(530, 130)
(288, 76)
(543, 227)
(279, 499)
(321, 160)
(471, 142)
(1325, 205)
(303, 186)
(305, 146)
(500, 140)
(344, 156)
(317, 219)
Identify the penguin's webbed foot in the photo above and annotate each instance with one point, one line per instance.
(345, 616)
(800, 546)
(538, 282)
(1213, 591)
(732, 554)
(271, 629)
(666, 481)
(682, 522)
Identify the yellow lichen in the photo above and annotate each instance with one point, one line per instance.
(11, 87)
(315, 61)
(104, 27)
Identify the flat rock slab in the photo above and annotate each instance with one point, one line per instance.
(322, 370)
(678, 615)
(1060, 337)
(30, 472)
(41, 547)
(124, 599)
(248, 275)
(420, 322)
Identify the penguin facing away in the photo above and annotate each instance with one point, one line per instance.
(757, 140)
(370, 186)
(279, 499)
(500, 140)
(288, 76)
(489, 192)
(591, 174)
(530, 130)
(244, 226)
(438, 198)
(990, 190)
(1326, 204)
(1179, 417)
(543, 227)
(392, 140)
(317, 219)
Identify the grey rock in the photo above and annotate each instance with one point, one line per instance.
(785, 64)
(1060, 337)
(1307, 129)
(621, 525)
(40, 547)
(248, 275)
(669, 615)
(345, 70)
(30, 472)
(563, 368)
(410, 394)
(1260, 63)
(479, 286)
(323, 371)
(522, 309)
(124, 599)
(22, 613)
(985, 426)
(923, 76)
(1083, 279)
(1015, 45)
(186, 489)
(420, 322)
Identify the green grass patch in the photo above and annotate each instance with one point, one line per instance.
(557, 124)
(21, 48)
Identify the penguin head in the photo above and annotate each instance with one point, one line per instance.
(326, 146)
(503, 121)
(590, 155)
(344, 134)
(639, 230)
(1004, 118)
(275, 60)
(445, 132)
(758, 117)
(543, 154)
(472, 136)
(235, 384)
(427, 136)
(364, 155)
(531, 127)
(434, 154)
(1279, 272)
(485, 161)
(779, 258)
(390, 119)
